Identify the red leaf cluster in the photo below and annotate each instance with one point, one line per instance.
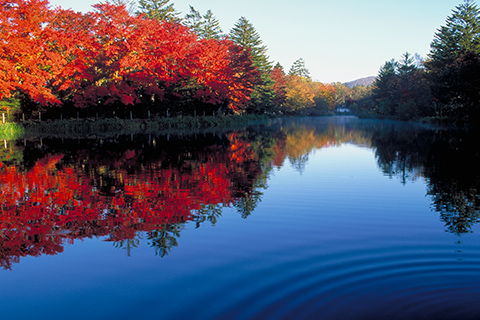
(108, 56)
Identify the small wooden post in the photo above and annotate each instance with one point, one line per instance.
(23, 117)
(167, 113)
(3, 115)
(131, 117)
(61, 116)
(39, 116)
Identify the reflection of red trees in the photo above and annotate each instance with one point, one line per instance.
(54, 203)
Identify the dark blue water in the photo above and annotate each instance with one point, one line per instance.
(333, 218)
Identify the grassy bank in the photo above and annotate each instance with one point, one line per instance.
(11, 131)
(115, 126)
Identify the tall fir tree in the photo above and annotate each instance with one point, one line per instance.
(158, 9)
(211, 27)
(454, 66)
(245, 35)
(460, 34)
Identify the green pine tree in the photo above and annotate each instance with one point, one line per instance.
(460, 35)
(211, 27)
(158, 9)
(454, 66)
(193, 20)
(205, 26)
(298, 68)
(244, 34)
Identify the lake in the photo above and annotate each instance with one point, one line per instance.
(315, 218)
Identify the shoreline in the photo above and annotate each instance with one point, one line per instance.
(115, 126)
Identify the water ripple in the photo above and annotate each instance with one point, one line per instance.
(404, 282)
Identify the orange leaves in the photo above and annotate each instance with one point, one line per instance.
(325, 94)
(24, 37)
(299, 93)
(109, 56)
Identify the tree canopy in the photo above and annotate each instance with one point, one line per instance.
(454, 65)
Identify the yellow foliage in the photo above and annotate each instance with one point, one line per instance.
(299, 93)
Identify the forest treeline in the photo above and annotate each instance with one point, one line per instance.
(444, 87)
(128, 59)
(142, 59)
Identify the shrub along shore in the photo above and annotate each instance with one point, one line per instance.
(115, 126)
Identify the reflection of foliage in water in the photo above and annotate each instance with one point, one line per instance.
(163, 240)
(118, 192)
(459, 209)
(123, 187)
(447, 159)
(400, 149)
(454, 179)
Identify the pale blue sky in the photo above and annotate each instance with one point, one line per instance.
(339, 40)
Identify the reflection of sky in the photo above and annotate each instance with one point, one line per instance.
(339, 213)
(346, 182)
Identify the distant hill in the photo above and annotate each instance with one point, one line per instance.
(360, 82)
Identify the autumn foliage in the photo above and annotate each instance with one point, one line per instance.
(108, 56)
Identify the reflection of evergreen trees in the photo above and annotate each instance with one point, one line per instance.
(448, 159)
(163, 240)
(401, 149)
(454, 179)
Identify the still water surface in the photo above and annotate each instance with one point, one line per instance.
(328, 218)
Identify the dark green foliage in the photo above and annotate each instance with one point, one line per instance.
(445, 88)
(211, 27)
(454, 66)
(263, 96)
(401, 91)
(244, 34)
(116, 126)
(460, 35)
